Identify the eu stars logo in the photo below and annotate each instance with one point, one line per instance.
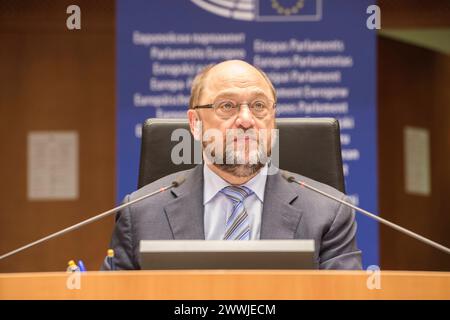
(264, 10)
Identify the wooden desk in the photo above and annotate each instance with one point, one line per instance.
(231, 284)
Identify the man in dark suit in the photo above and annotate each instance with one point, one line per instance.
(237, 194)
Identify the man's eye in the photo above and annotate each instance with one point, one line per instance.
(226, 106)
(259, 105)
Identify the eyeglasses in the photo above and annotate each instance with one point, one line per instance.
(227, 108)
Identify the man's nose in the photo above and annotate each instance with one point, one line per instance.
(245, 117)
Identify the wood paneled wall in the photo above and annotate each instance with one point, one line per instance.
(55, 79)
(414, 13)
(413, 90)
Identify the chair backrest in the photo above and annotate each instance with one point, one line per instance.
(308, 146)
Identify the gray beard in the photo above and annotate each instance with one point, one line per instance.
(238, 169)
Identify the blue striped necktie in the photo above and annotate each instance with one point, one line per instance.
(238, 226)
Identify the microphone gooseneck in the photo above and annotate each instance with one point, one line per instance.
(392, 225)
(102, 215)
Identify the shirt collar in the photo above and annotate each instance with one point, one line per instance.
(214, 183)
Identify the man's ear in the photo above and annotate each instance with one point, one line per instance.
(195, 124)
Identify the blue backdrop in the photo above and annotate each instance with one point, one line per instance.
(319, 55)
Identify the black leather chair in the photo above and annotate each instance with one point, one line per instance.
(308, 146)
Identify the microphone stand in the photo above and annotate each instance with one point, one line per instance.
(370, 215)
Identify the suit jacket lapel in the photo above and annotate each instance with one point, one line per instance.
(185, 212)
(279, 218)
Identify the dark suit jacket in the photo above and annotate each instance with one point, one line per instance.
(289, 212)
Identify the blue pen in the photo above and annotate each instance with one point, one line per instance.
(81, 266)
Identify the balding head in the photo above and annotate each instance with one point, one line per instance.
(239, 72)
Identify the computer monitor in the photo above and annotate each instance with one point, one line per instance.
(220, 254)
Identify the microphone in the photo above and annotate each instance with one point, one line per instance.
(392, 225)
(102, 215)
